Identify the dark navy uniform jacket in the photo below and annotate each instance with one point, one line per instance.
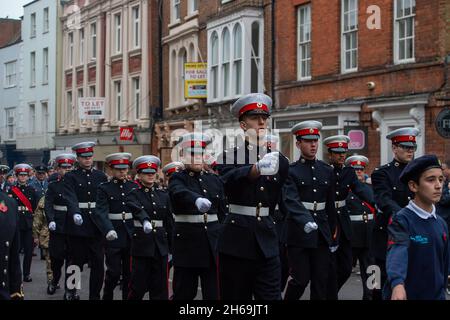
(195, 244)
(418, 256)
(55, 197)
(25, 216)
(361, 229)
(11, 274)
(245, 236)
(151, 204)
(310, 181)
(111, 198)
(391, 196)
(346, 179)
(80, 186)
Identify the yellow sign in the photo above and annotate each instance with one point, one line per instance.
(195, 80)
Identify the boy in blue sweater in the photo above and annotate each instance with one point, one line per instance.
(418, 257)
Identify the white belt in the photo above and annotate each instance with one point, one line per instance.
(120, 216)
(155, 223)
(86, 205)
(22, 208)
(249, 211)
(194, 218)
(59, 208)
(314, 206)
(339, 204)
(362, 217)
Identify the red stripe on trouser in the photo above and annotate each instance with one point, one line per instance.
(217, 277)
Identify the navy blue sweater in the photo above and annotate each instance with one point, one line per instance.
(417, 256)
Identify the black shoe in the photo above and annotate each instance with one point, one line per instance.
(51, 289)
(27, 279)
(57, 286)
(70, 296)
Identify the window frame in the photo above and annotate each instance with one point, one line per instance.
(118, 101)
(32, 68)
(82, 38)
(70, 49)
(10, 126)
(345, 33)
(176, 11)
(46, 20)
(136, 27)
(12, 76)
(396, 30)
(306, 44)
(33, 25)
(93, 37)
(45, 70)
(117, 33)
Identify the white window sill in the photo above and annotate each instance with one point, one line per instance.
(304, 79)
(45, 83)
(135, 51)
(406, 61)
(174, 23)
(191, 15)
(347, 71)
(116, 56)
(9, 87)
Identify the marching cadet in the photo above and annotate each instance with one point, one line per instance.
(169, 169)
(390, 194)
(418, 251)
(25, 196)
(253, 180)
(150, 244)
(345, 179)
(3, 172)
(56, 211)
(116, 223)
(11, 275)
(41, 238)
(198, 203)
(361, 217)
(311, 236)
(40, 183)
(85, 242)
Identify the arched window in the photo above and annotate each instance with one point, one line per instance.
(214, 64)
(226, 62)
(237, 59)
(173, 79)
(256, 58)
(182, 59)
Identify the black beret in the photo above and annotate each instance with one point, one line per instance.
(417, 166)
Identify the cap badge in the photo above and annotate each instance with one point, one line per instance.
(359, 162)
(311, 130)
(340, 144)
(259, 105)
(411, 138)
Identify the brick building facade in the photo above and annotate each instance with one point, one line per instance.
(333, 64)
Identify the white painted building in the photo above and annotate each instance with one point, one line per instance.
(36, 114)
(10, 88)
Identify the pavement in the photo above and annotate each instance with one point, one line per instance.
(37, 289)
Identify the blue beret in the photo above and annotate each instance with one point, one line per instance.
(419, 165)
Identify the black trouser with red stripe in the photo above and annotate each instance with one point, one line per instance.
(185, 282)
(117, 263)
(149, 274)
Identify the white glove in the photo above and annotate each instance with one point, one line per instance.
(334, 248)
(52, 226)
(203, 204)
(111, 235)
(268, 165)
(78, 219)
(310, 226)
(147, 226)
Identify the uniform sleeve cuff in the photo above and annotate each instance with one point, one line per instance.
(396, 282)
